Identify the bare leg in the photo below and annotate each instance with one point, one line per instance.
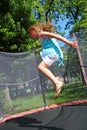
(43, 67)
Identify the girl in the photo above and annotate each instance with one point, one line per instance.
(50, 50)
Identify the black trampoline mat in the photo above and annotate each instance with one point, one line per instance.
(62, 118)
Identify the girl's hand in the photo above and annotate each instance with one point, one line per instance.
(74, 45)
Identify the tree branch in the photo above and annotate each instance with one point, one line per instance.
(49, 9)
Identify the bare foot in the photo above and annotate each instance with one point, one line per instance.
(58, 92)
(54, 84)
(58, 88)
(59, 79)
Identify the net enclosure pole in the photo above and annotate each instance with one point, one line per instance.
(41, 82)
(80, 59)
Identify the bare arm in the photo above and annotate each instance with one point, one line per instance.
(59, 37)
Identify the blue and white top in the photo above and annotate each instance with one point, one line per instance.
(51, 48)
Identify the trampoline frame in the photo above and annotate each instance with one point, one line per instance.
(52, 106)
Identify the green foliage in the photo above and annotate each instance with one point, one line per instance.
(73, 67)
(14, 24)
(17, 15)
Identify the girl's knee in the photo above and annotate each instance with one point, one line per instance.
(42, 65)
(39, 67)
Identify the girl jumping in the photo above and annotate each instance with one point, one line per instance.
(50, 50)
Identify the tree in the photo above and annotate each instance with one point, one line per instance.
(17, 15)
(15, 18)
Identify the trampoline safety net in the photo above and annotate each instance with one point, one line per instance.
(20, 87)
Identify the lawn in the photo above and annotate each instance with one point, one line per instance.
(70, 92)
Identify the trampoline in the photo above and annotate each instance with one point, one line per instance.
(66, 116)
(20, 81)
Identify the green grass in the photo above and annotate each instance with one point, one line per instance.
(25, 104)
(70, 92)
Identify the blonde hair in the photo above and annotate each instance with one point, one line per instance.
(42, 26)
